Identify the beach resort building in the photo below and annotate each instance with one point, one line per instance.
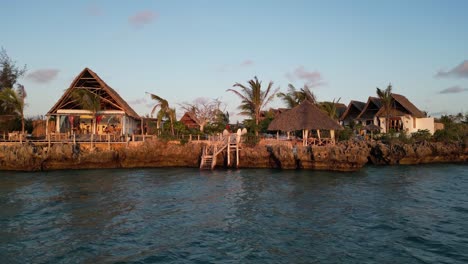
(88, 106)
(405, 116)
(352, 112)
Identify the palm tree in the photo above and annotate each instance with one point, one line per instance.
(330, 108)
(88, 101)
(13, 101)
(294, 97)
(254, 99)
(164, 111)
(387, 101)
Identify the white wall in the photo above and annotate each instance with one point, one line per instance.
(425, 123)
(410, 125)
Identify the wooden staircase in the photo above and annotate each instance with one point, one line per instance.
(211, 151)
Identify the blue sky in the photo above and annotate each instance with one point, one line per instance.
(182, 50)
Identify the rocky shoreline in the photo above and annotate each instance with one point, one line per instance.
(344, 156)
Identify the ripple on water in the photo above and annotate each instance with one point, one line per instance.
(406, 214)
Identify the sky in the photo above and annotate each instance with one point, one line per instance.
(184, 50)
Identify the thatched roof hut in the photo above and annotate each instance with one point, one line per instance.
(304, 116)
(190, 120)
(112, 106)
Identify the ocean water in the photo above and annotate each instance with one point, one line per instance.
(393, 214)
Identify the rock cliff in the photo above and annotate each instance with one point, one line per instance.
(344, 156)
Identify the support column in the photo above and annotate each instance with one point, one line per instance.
(47, 125)
(57, 124)
(124, 126)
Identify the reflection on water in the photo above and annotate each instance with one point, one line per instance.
(405, 214)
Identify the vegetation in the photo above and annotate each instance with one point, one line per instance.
(9, 71)
(387, 101)
(294, 97)
(12, 101)
(88, 101)
(330, 108)
(206, 111)
(455, 128)
(164, 112)
(254, 99)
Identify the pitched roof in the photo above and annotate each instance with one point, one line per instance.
(402, 105)
(357, 105)
(189, 119)
(90, 80)
(371, 108)
(304, 116)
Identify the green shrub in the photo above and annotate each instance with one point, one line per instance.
(250, 140)
(421, 135)
(344, 134)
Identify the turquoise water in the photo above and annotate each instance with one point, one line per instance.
(400, 214)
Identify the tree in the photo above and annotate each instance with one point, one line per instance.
(205, 110)
(88, 101)
(9, 72)
(294, 97)
(253, 99)
(164, 112)
(12, 101)
(387, 102)
(330, 108)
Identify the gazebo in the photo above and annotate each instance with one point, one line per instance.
(306, 116)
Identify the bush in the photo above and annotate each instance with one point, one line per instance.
(345, 134)
(421, 135)
(250, 140)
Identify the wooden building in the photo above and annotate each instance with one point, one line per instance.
(111, 114)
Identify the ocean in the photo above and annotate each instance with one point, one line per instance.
(386, 214)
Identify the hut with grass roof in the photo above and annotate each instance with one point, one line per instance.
(306, 116)
(111, 113)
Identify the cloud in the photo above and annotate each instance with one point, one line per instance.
(454, 89)
(42, 75)
(311, 78)
(460, 71)
(142, 18)
(247, 63)
(138, 101)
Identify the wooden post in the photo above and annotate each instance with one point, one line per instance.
(47, 125)
(57, 124)
(108, 141)
(332, 135)
(198, 138)
(229, 153)
(190, 137)
(48, 139)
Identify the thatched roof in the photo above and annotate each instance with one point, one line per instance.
(353, 110)
(371, 108)
(190, 120)
(87, 79)
(401, 107)
(304, 116)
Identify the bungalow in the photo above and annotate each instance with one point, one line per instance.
(368, 113)
(352, 112)
(113, 113)
(190, 120)
(405, 116)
